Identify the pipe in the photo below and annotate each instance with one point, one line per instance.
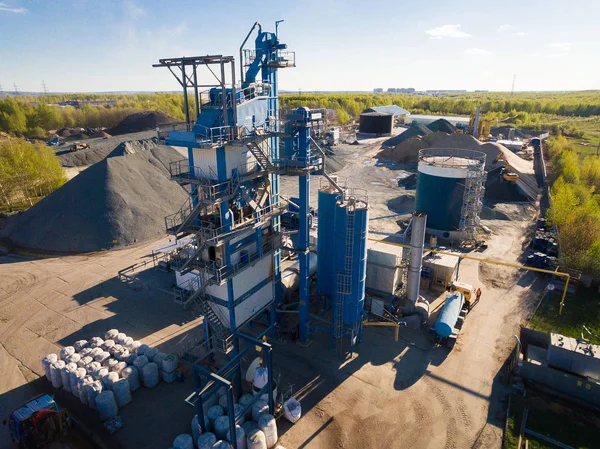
(417, 242)
(242, 49)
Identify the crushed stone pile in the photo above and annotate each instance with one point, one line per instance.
(118, 201)
(106, 147)
(417, 130)
(141, 121)
(442, 125)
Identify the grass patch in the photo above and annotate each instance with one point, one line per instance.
(567, 425)
(582, 309)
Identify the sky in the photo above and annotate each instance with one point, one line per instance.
(340, 45)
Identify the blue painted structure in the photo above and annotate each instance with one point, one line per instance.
(441, 199)
(444, 326)
(325, 243)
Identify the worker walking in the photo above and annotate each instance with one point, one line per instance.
(477, 295)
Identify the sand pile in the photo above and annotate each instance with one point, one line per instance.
(141, 121)
(117, 201)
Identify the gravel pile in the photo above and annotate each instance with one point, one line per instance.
(118, 201)
(442, 125)
(141, 121)
(413, 131)
(106, 147)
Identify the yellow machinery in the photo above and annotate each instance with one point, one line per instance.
(468, 291)
(506, 174)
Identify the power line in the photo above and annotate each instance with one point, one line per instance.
(16, 89)
(1, 91)
(44, 88)
(512, 91)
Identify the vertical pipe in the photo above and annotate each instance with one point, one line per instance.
(303, 232)
(270, 379)
(196, 93)
(199, 402)
(234, 96)
(185, 97)
(417, 242)
(231, 417)
(224, 95)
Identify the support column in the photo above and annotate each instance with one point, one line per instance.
(303, 232)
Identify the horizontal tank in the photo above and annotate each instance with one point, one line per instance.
(441, 178)
(376, 123)
(444, 326)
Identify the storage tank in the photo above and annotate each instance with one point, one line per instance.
(325, 275)
(350, 253)
(442, 177)
(379, 123)
(449, 314)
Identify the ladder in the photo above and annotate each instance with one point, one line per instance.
(190, 262)
(260, 156)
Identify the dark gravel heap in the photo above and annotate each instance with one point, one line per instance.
(442, 125)
(413, 131)
(140, 121)
(121, 199)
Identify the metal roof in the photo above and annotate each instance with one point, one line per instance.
(391, 109)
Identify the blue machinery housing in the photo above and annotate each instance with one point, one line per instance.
(228, 265)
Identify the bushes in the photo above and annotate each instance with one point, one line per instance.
(28, 172)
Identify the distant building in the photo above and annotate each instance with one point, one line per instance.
(396, 111)
(378, 90)
(401, 90)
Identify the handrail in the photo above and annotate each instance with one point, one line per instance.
(242, 47)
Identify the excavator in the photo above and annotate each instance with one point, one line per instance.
(506, 172)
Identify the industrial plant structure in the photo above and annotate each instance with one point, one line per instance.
(450, 188)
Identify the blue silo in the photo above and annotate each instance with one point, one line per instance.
(325, 242)
(442, 177)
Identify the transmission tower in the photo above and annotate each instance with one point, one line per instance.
(1, 91)
(16, 89)
(512, 91)
(44, 88)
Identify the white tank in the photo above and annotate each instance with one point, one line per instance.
(240, 437)
(213, 413)
(46, 362)
(114, 349)
(119, 367)
(107, 406)
(66, 352)
(141, 350)
(259, 408)
(127, 342)
(221, 445)
(183, 441)
(206, 440)
(150, 375)
(96, 342)
(169, 363)
(245, 400)
(73, 358)
(84, 361)
(56, 373)
(93, 390)
(133, 347)
(132, 374)
(221, 427)
(92, 367)
(80, 344)
(100, 373)
(111, 334)
(268, 425)
(256, 440)
(96, 351)
(122, 392)
(108, 344)
(109, 379)
(75, 376)
(120, 338)
(140, 362)
(150, 353)
(122, 354)
(101, 358)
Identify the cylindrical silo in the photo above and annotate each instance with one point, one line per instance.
(350, 257)
(325, 274)
(443, 175)
(379, 123)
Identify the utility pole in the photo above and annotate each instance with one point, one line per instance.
(1, 91)
(44, 88)
(16, 89)
(512, 91)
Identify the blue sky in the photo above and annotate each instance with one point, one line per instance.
(110, 45)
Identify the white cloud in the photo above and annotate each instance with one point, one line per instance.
(133, 10)
(520, 33)
(555, 55)
(477, 52)
(5, 7)
(505, 27)
(561, 46)
(452, 31)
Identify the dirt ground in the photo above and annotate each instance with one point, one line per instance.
(390, 394)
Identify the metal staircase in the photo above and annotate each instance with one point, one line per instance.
(471, 207)
(181, 220)
(260, 156)
(190, 262)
